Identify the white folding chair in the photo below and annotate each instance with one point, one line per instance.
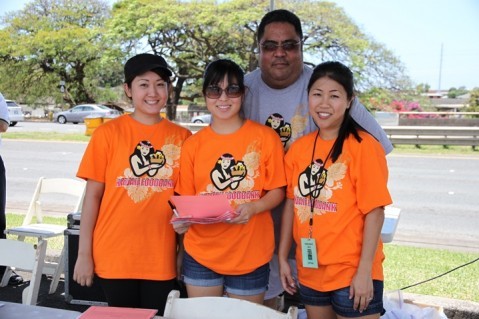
(75, 188)
(219, 308)
(26, 257)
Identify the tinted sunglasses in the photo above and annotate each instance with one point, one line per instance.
(214, 91)
(271, 46)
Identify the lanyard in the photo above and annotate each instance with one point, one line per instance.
(312, 199)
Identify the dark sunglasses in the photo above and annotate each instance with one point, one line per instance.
(271, 46)
(214, 91)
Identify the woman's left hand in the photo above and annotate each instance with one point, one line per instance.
(245, 212)
(362, 291)
(181, 228)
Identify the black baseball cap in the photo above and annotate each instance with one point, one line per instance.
(142, 63)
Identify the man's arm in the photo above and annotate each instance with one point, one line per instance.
(364, 118)
(3, 126)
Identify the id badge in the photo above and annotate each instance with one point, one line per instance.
(308, 249)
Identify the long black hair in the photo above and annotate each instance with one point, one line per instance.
(341, 74)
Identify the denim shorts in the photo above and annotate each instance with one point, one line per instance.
(339, 300)
(250, 284)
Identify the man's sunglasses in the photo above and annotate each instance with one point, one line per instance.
(272, 46)
(214, 91)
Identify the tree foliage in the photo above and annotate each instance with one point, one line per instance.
(51, 41)
(331, 35)
(191, 34)
(79, 42)
(188, 34)
(473, 101)
(453, 92)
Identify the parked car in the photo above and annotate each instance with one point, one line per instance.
(15, 113)
(205, 118)
(77, 113)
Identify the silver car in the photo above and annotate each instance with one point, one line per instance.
(77, 113)
(15, 113)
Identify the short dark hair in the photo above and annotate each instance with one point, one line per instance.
(217, 70)
(280, 15)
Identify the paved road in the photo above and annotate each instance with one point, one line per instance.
(44, 126)
(437, 194)
(438, 200)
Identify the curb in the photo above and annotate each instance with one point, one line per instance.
(453, 308)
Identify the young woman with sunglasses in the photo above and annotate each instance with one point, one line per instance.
(243, 160)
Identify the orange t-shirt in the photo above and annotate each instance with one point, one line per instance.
(210, 163)
(350, 188)
(138, 164)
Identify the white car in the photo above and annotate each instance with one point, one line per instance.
(15, 113)
(205, 118)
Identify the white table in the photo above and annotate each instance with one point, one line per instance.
(11, 310)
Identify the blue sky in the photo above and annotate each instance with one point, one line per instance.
(414, 30)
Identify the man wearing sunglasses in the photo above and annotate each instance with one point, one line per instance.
(277, 90)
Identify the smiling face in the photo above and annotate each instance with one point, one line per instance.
(328, 102)
(225, 163)
(149, 94)
(145, 149)
(315, 169)
(275, 123)
(282, 66)
(224, 107)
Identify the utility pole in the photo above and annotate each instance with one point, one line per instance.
(271, 5)
(440, 70)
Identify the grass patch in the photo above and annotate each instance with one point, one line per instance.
(404, 266)
(46, 136)
(435, 149)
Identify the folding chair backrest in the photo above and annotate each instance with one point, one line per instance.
(66, 186)
(219, 308)
(69, 186)
(26, 257)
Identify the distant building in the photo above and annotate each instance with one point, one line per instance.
(435, 94)
(442, 103)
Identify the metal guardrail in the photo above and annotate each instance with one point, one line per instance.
(415, 135)
(433, 135)
(441, 114)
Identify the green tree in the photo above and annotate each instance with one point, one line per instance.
(331, 35)
(191, 34)
(453, 93)
(473, 101)
(423, 88)
(188, 34)
(56, 40)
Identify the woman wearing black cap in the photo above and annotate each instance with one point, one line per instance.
(131, 166)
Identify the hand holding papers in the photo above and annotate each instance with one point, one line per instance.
(206, 209)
